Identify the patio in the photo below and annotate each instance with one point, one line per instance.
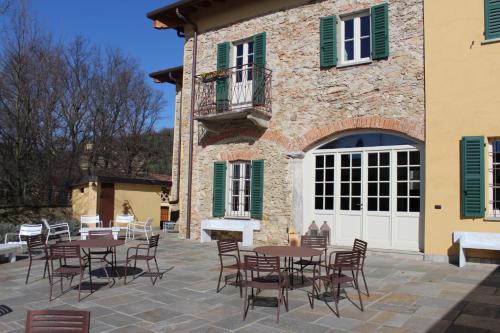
(406, 296)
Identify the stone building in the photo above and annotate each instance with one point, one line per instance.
(302, 111)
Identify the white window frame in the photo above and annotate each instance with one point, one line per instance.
(240, 212)
(492, 213)
(244, 56)
(356, 37)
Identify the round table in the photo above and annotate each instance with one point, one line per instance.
(287, 251)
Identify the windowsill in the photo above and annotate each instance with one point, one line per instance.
(490, 41)
(237, 218)
(492, 218)
(351, 64)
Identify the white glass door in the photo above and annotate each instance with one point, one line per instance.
(243, 73)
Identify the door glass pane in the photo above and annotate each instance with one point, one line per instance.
(330, 161)
(402, 204)
(384, 174)
(324, 181)
(372, 204)
(319, 175)
(384, 159)
(344, 175)
(319, 161)
(402, 158)
(344, 189)
(329, 188)
(329, 175)
(356, 189)
(384, 204)
(384, 189)
(319, 189)
(356, 160)
(318, 204)
(414, 204)
(408, 187)
(329, 203)
(372, 174)
(356, 203)
(373, 159)
(415, 158)
(344, 203)
(372, 189)
(402, 173)
(356, 174)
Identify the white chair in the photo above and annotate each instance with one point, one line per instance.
(142, 227)
(56, 229)
(25, 230)
(124, 222)
(92, 221)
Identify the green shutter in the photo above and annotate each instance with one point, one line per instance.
(328, 41)
(259, 77)
(222, 84)
(472, 174)
(257, 189)
(492, 18)
(219, 190)
(380, 31)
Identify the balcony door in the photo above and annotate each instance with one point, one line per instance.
(242, 76)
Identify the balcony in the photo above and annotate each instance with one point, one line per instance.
(237, 93)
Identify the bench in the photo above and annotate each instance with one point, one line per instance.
(475, 240)
(246, 227)
(9, 250)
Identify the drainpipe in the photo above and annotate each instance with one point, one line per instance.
(179, 142)
(191, 121)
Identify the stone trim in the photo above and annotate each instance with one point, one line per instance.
(240, 155)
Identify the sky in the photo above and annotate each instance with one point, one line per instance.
(119, 24)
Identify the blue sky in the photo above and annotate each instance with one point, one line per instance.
(119, 24)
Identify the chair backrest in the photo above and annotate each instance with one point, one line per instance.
(347, 260)
(30, 229)
(262, 264)
(124, 218)
(361, 246)
(149, 221)
(46, 223)
(49, 321)
(89, 219)
(35, 242)
(100, 234)
(227, 245)
(315, 242)
(61, 251)
(153, 240)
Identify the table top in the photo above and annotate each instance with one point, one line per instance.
(287, 251)
(97, 243)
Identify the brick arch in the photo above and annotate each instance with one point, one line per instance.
(411, 128)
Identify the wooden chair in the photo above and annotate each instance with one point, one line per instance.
(37, 250)
(145, 252)
(253, 267)
(50, 321)
(313, 242)
(71, 264)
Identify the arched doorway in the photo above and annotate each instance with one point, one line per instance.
(366, 185)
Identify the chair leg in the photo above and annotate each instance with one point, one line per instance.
(47, 239)
(105, 270)
(150, 273)
(29, 269)
(246, 303)
(356, 285)
(157, 269)
(69, 236)
(80, 286)
(278, 307)
(364, 281)
(220, 277)
(126, 268)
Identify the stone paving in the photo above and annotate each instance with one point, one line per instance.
(406, 296)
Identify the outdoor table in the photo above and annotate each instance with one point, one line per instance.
(288, 252)
(94, 244)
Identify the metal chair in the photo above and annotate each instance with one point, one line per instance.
(25, 230)
(50, 321)
(71, 264)
(37, 250)
(56, 229)
(314, 242)
(124, 222)
(142, 227)
(229, 248)
(253, 267)
(92, 221)
(145, 252)
(102, 255)
(345, 261)
(361, 246)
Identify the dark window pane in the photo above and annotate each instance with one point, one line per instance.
(384, 174)
(414, 204)
(329, 189)
(349, 29)
(250, 47)
(319, 175)
(236, 171)
(365, 47)
(247, 204)
(349, 50)
(365, 26)
(367, 140)
(414, 173)
(318, 203)
(496, 157)
(239, 50)
(344, 189)
(356, 160)
(247, 187)
(355, 203)
(330, 161)
(402, 158)
(384, 189)
(329, 203)
(356, 188)
(372, 204)
(384, 159)
(356, 175)
(383, 205)
(319, 189)
(329, 175)
(415, 157)
(319, 161)
(402, 205)
(344, 175)
(344, 203)
(373, 159)
(239, 62)
(345, 160)
(235, 204)
(402, 173)
(372, 189)
(402, 189)
(372, 174)
(415, 189)
(236, 187)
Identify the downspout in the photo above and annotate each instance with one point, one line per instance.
(191, 121)
(179, 142)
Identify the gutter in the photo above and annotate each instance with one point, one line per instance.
(179, 144)
(191, 120)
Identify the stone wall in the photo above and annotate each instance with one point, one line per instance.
(309, 104)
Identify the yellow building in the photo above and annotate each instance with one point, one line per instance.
(462, 79)
(110, 196)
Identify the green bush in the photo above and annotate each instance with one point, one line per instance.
(6, 228)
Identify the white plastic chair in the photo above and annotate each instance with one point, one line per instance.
(142, 227)
(92, 220)
(124, 222)
(24, 231)
(56, 229)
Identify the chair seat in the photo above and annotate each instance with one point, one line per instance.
(336, 278)
(305, 262)
(235, 266)
(63, 270)
(261, 285)
(140, 257)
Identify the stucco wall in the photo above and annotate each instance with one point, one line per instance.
(141, 200)
(462, 86)
(84, 203)
(308, 104)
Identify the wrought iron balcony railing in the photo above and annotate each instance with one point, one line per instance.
(234, 89)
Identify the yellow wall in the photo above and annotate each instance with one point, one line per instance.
(462, 99)
(141, 200)
(84, 203)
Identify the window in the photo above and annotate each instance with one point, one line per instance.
(239, 189)
(324, 182)
(494, 197)
(408, 181)
(355, 39)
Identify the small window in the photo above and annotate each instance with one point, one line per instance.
(494, 182)
(355, 38)
(239, 180)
